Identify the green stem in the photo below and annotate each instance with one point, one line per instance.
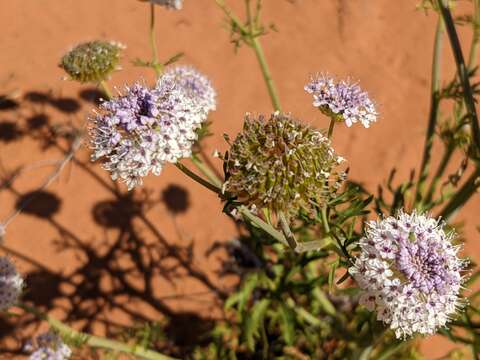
(201, 181)
(255, 43)
(330, 127)
(326, 226)
(462, 195)
(205, 170)
(153, 42)
(94, 341)
(462, 71)
(472, 59)
(434, 104)
(447, 155)
(106, 89)
(250, 35)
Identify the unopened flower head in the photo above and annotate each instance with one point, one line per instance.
(410, 273)
(342, 100)
(169, 4)
(281, 164)
(197, 86)
(141, 130)
(11, 283)
(92, 61)
(48, 346)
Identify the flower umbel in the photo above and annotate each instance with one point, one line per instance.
(410, 273)
(169, 4)
(197, 86)
(341, 100)
(140, 131)
(92, 61)
(48, 346)
(11, 283)
(281, 164)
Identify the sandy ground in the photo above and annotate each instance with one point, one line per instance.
(94, 268)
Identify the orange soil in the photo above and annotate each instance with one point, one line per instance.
(385, 44)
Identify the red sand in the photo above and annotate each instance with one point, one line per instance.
(387, 45)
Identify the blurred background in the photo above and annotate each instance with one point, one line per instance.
(101, 258)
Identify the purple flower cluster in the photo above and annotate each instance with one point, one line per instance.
(410, 273)
(195, 85)
(342, 100)
(48, 346)
(140, 131)
(11, 283)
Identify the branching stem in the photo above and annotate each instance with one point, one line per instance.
(94, 341)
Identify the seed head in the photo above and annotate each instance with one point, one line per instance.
(281, 164)
(92, 61)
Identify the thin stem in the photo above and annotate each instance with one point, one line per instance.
(462, 196)
(257, 47)
(266, 74)
(205, 170)
(434, 104)
(447, 155)
(106, 89)
(330, 127)
(251, 39)
(153, 42)
(462, 71)
(198, 179)
(472, 59)
(50, 179)
(94, 341)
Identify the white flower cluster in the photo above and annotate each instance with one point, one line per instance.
(11, 283)
(410, 273)
(145, 128)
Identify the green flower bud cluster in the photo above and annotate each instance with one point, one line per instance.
(281, 165)
(92, 61)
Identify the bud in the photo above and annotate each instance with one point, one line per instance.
(92, 61)
(281, 165)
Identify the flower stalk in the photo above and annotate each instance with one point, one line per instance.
(91, 340)
(462, 71)
(249, 34)
(157, 67)
(434, 106)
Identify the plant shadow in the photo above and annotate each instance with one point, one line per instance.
(120, 270)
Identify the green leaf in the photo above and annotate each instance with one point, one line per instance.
(331, 275)
(390, 351)
(242, 296)
(324, 302)
(287, 318)
(253, 322)
(173, 59)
